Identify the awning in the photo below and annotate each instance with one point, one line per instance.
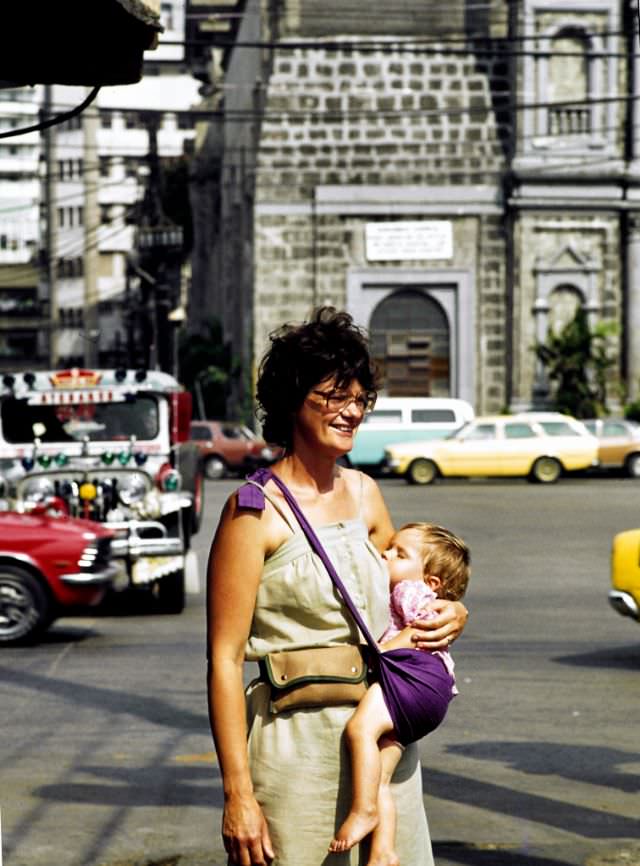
(86, 42)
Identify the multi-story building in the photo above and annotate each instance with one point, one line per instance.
(460, 177)
(70, 204)
(23, 313)
(100, 161)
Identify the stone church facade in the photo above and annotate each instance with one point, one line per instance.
(459, 178)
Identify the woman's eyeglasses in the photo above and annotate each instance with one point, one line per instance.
(336, 401)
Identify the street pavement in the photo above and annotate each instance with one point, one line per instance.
(106, 757)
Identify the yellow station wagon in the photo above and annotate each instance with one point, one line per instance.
(539, 446)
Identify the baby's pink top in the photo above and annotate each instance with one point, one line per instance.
(408, 599)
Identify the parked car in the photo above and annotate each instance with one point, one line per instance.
(624, 595)
(228, 447)
(619, 443)
(405, 419)
(47, 566)
(539, 446)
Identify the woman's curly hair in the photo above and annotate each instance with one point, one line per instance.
(301, 356)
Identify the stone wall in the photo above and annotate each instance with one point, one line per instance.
(389, 121)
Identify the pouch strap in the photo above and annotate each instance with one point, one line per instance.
(316, 545)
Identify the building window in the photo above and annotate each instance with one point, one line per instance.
(569, 82)
(105, 119)
(131, 166)
(572, 66)
(166, 15)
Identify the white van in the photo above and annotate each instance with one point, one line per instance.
(405, 419)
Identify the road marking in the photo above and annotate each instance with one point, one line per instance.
(198, 758)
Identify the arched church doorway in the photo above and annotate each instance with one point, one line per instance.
(409, 334)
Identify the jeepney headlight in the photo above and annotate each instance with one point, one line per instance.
(132, 489)
(36, 489)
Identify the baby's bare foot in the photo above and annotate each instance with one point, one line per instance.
(355, 827)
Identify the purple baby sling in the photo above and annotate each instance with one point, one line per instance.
(416, 685)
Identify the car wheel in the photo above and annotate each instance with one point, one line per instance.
(422, 471)
(215, 467)
(190, 467)
(170, 593)
(25, 610)
(546, 470)
(632, 465)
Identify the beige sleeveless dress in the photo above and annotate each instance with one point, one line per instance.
(299, 763)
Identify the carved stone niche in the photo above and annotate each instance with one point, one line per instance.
(564, 282)
(568, 272)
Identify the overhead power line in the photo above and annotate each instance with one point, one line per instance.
(46, 123)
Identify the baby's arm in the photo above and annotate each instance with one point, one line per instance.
(409, 601)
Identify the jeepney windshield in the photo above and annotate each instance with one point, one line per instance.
(72, 422)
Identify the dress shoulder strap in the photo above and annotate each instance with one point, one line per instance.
(253, 495)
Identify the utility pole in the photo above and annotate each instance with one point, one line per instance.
(159, 243)
(51, 227)
(91, 236)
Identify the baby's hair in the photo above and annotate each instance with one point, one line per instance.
(446, 556)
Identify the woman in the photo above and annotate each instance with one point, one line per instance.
(286, 777)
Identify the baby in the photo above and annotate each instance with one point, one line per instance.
(425, 562)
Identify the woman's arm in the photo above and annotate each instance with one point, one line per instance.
(235, 567)
(441, 630)
(426, 633)
(376, 514)
(451, 616)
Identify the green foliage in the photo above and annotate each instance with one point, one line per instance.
(576, 362)
(632, 411)
(204, 369)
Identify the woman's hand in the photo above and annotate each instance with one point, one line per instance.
(245, 832)
(437, 632)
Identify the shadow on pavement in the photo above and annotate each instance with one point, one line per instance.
(548, 811)
(154, 710)
(595, 765)
(131, 787)
(477, 855)
(621, 657)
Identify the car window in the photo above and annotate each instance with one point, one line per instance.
(558, 428)
(519, 431)
(383, 416)
(614, 428)
(477, 432)
(591, 426)
(232, 431)
(200, 432)
(72, 422)
(433, 416)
